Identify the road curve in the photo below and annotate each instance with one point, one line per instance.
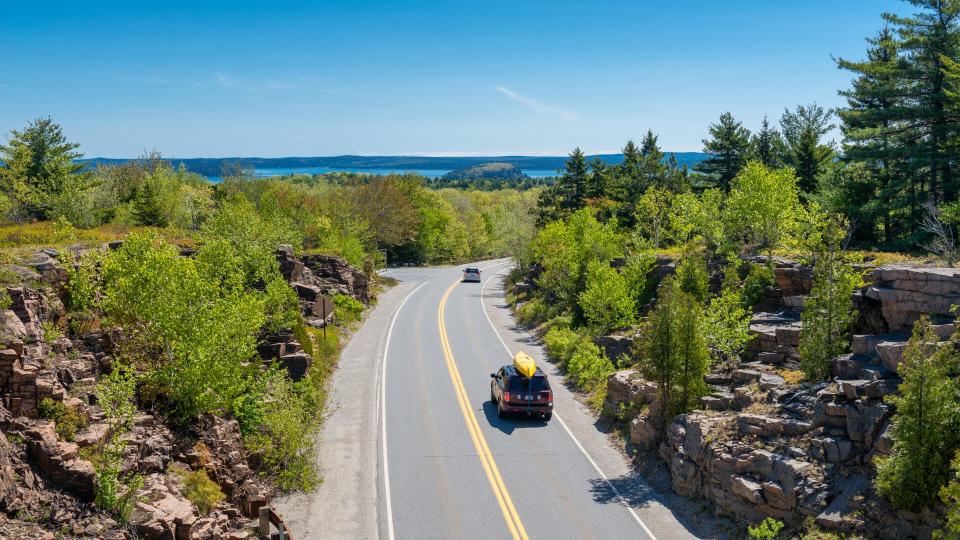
(450, 468)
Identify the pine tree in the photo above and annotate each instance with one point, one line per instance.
(654, 170)
(900, 119)
(38, 165)
(924, 40)
(828, 311)
(766, 145)
(925, 425)
(599, 180)
(803, 130)
(572, 186)
(876, 193)
(146, 207)
(728, 146)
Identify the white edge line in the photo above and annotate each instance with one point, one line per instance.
(596, 467)
(383, 412)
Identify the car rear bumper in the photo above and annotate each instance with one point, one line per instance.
(527, 409)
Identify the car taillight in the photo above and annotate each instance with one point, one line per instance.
(506, 396)
(548, 395)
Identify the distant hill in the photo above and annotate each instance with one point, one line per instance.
(493, 171)
(216, 166)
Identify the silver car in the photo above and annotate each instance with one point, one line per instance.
(471, 273)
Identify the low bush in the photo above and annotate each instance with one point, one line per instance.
(199, 489)
(347, 308)
(759, 278)
(533, 313)
(561, 343)
(68, 420)
(589, 368)
(768, 529)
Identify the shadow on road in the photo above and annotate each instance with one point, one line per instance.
(510, 423)
(632, 487)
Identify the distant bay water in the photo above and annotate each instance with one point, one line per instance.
(429, 173)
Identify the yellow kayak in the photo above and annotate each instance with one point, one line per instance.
(524, 364)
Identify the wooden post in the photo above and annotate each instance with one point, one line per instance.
(265, 522)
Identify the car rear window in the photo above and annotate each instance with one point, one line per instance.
(533, 384)
(473, 270)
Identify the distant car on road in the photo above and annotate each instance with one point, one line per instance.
(471, 273)
(521, 388)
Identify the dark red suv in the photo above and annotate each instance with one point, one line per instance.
(513, 393)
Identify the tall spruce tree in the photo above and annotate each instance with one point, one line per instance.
(901, 105)
(803, 130)
(766, 145)
(572, 186)
(728, 146)
(599, 180)
(877, 196)
(654, 170)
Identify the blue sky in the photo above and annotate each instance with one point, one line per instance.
(280, 78)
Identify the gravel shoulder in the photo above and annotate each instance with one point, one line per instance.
(344, 505)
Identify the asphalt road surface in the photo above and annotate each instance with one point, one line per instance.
(412, 447)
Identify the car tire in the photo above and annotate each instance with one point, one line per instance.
(547, 416)
(500, 412)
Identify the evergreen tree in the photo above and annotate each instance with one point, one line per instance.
(572, 186)
(766, 145)
(802, 131)
(674, 352)
(728, 146)
(147, 208)
(599, 180)
(629, 172)
(924, 40)
(878, 192)
(828, 311)
(900, 119)
(925, 425)
(654, 170)
(38, 165)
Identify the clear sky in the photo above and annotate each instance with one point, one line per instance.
(278, 78)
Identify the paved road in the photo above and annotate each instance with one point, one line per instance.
(449, 468)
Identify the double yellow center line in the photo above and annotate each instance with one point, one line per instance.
(479, 442)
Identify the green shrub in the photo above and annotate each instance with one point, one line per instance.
(281, 305)
(115, 491)
(950, 495)
(51, 332)
(692, 276)
(768, 529)
(606, 302)
(284, 441)
(755, 285)
(199, 489)
(83, 281)
(533, 313)
(561, 343)
(589, 368)
(68, 420)
(347, 308)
